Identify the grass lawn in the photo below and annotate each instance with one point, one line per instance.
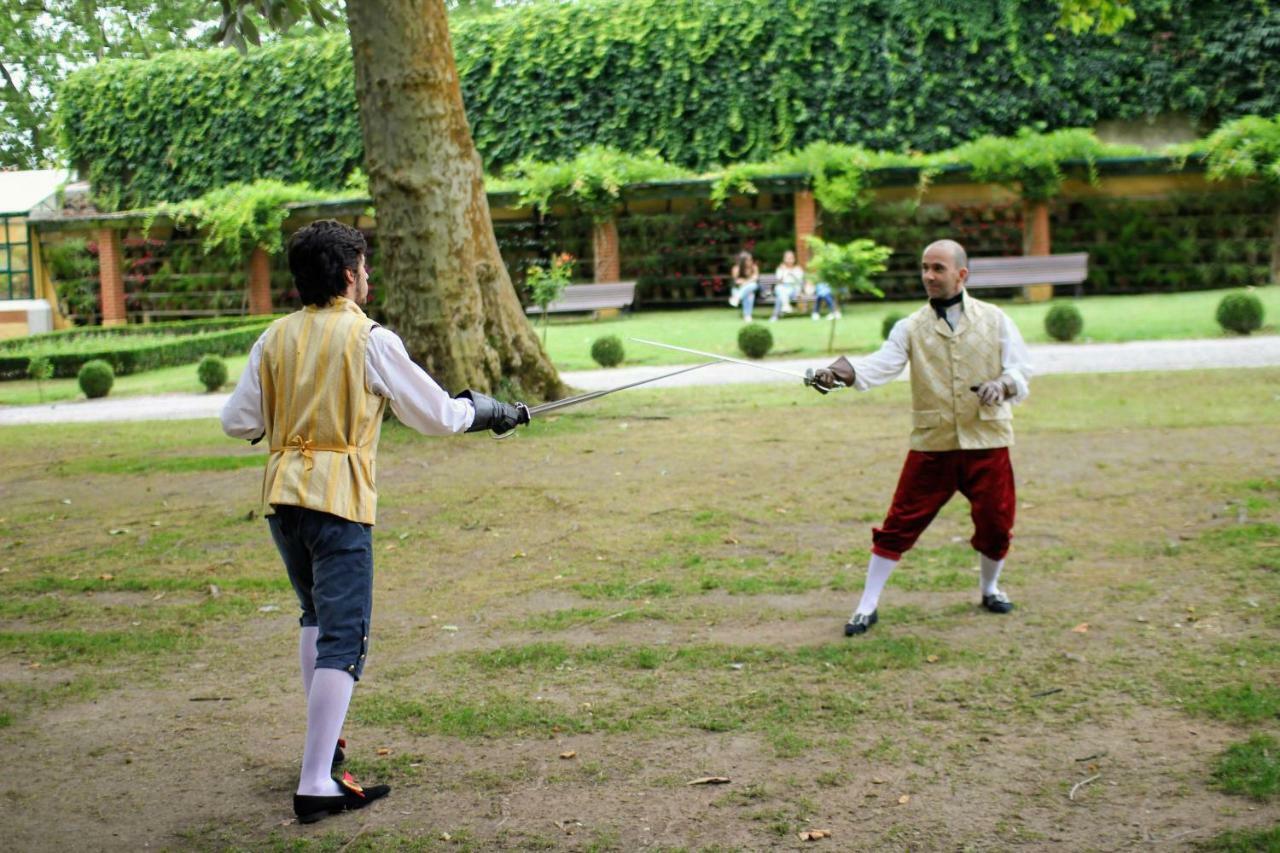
(1106, 318)
(166, 380)
(572, 625)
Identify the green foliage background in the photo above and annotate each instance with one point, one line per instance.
(697, 82)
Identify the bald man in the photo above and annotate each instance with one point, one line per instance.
(968, 364)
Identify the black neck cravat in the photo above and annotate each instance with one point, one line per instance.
(940, 306)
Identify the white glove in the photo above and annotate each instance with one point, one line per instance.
(991, 392)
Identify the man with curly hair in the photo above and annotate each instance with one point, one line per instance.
(316, 386)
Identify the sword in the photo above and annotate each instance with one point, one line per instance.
(591, 395)
(806, 377)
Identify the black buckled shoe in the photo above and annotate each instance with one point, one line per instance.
(339, 756)
(861, 623)
(311, 809)
(997, 603)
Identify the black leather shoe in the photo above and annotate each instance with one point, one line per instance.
(997, 603)
(861, 623)
(338, 755)
(311, 809)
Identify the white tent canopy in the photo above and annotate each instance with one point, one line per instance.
(20, 192)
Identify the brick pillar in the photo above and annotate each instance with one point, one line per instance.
(806, 217)
(111, 277)
(1035, 241)
(604, 248)
(259, 281)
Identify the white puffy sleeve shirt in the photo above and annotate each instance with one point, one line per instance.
(414, 396)
(888, 362)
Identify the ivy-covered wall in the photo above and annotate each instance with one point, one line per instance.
(701, 82)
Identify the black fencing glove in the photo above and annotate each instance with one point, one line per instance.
(494, 414)
(838, 373)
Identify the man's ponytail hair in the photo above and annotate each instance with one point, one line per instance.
(319, 255)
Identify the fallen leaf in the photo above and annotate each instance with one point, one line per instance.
(729, 540)
(1082, 628)
(116, 531)
(403, 536)
(383, 750)
(268, 608)
(518, 555)
(570, 754)
(4, 570)
(931, 659)
(33, 665)
(876, 780)
(157, 596)
(444, 836)
(448, 627)
(904, 799)
(214, 592)
(709, 780)
(107, 576)
(66, 500)
(814, 834)
(781, 511)
(391, 546)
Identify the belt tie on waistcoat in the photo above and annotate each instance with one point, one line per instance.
(307, 446)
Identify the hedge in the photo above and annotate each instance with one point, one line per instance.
(178, 349)
(696, 81)
(48, 340)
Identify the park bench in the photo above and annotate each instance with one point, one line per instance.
(598, 299)
(768, 281)
(1028, 270)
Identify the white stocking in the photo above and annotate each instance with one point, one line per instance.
(878, 571)
(307, 656)
(990, 574)
(326, 710)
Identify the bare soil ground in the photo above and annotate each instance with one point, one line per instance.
(572, 625)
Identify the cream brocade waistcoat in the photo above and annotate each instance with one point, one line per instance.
(945, 414)
(322, 424)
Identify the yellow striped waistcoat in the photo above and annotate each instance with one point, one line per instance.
(322, 425)
(945, 414)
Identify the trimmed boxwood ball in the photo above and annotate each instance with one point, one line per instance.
(755, 340)
(1063, 322)
(96, 378)
(1240, 312)
(212, 372)
(890, 320)
(607, 351)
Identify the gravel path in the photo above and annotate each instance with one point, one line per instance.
(1047, 358)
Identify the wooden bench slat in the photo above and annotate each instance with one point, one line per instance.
(1071, 268)
(590, 297)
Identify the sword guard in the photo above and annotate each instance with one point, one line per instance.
(811, 381)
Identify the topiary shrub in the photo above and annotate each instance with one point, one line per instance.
(607, 351)
(1240, 312)
(886, 326)
(212, 372)
(1063, 322)
(96, 378)
(755, 340)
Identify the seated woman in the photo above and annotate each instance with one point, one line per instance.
(790, 282)
(745, 283)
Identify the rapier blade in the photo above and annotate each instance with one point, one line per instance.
(591, 395)
(793, 374)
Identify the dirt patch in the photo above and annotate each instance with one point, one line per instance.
(948, 729)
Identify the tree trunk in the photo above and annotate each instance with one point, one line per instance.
(447, 292)
(1275, 248)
